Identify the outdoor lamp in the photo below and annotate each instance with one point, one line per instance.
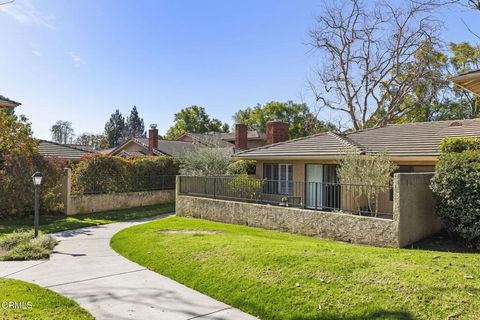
(37, 179)
(37, 182)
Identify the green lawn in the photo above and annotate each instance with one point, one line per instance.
(283, 276)
(56, 223)
(45, 304)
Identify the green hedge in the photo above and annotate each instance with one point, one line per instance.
(457, 145)
(456, 186)
(16, 187)
(110, 174)
(242, 167)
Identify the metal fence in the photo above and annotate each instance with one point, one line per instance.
(365, 200)
(120, 184)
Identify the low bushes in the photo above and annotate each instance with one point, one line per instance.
(109, 174)
(23, 246)
(242, 167)
(456, 187)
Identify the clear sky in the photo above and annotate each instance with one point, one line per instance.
(79, 60)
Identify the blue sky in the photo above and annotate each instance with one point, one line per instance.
(79, 60)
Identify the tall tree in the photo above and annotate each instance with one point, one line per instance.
(95, 141)
(194, 119)
(134, 125)
(114, 129)
(301, 120)
(369, 53)
(62, 132)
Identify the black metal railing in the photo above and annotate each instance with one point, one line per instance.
(367, 200)
(121, 184)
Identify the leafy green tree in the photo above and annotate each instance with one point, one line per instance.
(194, 119)
(134, 125)
(62, 132)
(96, 141)
(114, 129)
(302, 121)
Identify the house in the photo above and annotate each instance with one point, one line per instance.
(7, 104)
(242, 138)
(150, 146)
(305, 169)
(50, 149)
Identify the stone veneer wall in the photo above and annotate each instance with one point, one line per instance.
(116, 201)
(336, 226)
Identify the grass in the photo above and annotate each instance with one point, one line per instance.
(24, 246)
(277, 275)
(57, 223)
(45, 304)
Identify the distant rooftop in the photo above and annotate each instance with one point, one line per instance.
(6, 103)
(62, 151)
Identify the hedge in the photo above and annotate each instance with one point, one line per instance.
(110, 174)
(456, 186)
(16, 187)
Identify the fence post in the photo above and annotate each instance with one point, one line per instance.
(67, 190)
(177, 186)
(214, 187)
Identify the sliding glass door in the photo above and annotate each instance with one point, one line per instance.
(313, 186)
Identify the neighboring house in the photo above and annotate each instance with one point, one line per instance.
(150, 146)
(74, 153)
(7, 104)
(307, 161)
(469, 81)
(241, 139)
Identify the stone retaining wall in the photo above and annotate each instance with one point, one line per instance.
(116, 201)
(336, 226)
(413, 216)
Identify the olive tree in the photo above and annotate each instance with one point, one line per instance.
(366, 176)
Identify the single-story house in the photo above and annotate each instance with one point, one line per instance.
(305, 169)
(7, 104)
(241, 139)
(66, 152)
(151, 146)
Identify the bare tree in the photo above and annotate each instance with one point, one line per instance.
(370, 52)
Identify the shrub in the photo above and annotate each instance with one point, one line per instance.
(110, 174)
(457, 145)
(456, 186)
(14, 239)
(16, 189)
(242, 167)
(205, 161)
(244, 187)
(23, 246)
(26, 251)
(45, 241)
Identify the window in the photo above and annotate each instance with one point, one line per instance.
(279, 178)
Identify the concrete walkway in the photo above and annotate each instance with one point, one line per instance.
(85, 268)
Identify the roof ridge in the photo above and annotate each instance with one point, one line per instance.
(283, 142)
(346, 140)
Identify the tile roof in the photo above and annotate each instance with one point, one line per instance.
(210, 139)
(469, 81)
(61, 151)
(413, 139)
(8, 103)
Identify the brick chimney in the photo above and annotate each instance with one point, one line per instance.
(277, 131)
(241, 136)
(152, 138)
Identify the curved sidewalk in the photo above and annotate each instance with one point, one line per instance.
(85, 268)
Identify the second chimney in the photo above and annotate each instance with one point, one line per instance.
(241, 136)
(152, 138)
(277, 131)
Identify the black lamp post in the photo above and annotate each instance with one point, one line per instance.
(37, 182)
